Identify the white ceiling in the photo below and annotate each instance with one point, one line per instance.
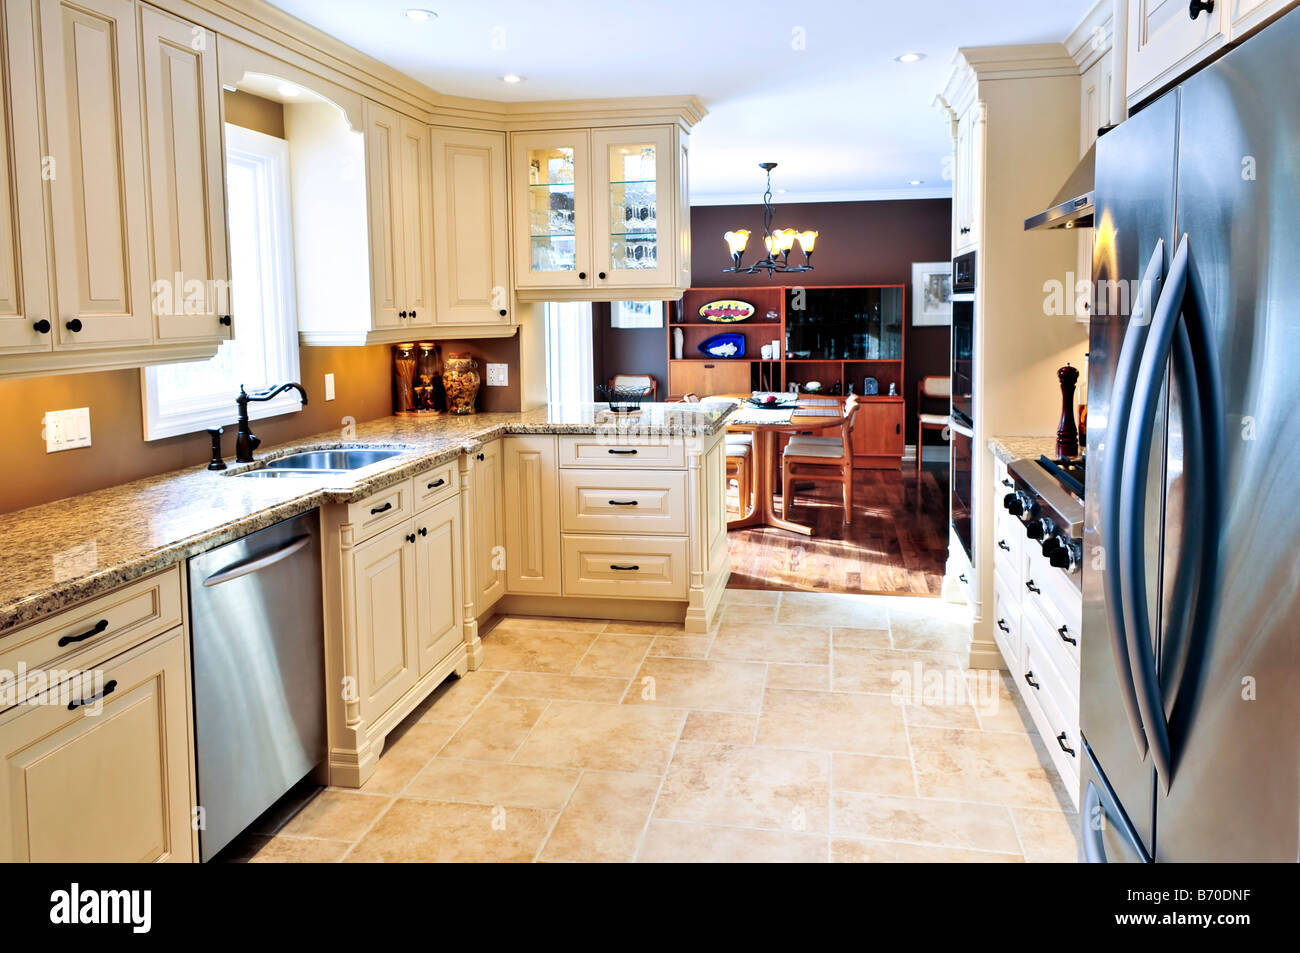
(840, 116)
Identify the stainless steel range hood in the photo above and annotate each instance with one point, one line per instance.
(1072, 207)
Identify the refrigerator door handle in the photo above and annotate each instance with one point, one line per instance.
(1121, 399)
(1133, 508)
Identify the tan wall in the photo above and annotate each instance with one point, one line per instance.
(254, 112)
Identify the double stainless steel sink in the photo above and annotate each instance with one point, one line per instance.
(315, 463)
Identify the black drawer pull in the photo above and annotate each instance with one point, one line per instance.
(375, 510)
(623, 502)
(1196, 6)
(1060, 740)
(1002, 544)
(1002, 624)
(626, 568)
(1008, 484)
(962, 577)
(1032, 588)
(109, 686)
(1029, 679)
(100, 626)
(623, 452)
(1064, 633)
(436, 483)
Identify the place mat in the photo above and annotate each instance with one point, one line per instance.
(818, 402)
(814, 412)
(753, 416)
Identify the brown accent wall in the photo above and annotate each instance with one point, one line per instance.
(858, 243)
(253, 112)
(628, 350)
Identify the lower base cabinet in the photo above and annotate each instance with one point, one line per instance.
(439, 583)
(384, 583)
(101, 771)
(879, 433)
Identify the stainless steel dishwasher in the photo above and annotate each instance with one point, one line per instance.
(259, 673)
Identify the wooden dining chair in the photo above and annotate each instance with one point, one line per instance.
(636, 384)
(821, 460)
(929, 389)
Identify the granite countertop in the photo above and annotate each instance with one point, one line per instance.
(1010, 449)
(60, 553)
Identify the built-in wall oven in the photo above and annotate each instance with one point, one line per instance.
(961, 472)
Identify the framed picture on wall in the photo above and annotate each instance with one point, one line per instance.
(931, 293)
(637, 314)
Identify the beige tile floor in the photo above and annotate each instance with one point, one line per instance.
(779, 736)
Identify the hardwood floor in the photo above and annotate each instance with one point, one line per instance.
(891, 546)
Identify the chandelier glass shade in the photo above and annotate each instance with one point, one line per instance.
(778, 244)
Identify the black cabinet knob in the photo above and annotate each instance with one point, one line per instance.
(413, 315)
(503, 312)
(410, 537)
(1196, 6)
(74, 325)
(41, 327)
(582, 275)
(401, 314)
(224, 321)
(480, 456)
(601, 276)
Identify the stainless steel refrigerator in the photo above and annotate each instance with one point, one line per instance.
(1190, 691)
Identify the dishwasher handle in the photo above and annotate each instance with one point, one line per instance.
(254, 563)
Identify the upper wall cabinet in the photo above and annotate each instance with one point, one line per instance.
(967, 185)
(601, 214)
(471, 228)
(187, 192)
(83, 194)
(1169, 38)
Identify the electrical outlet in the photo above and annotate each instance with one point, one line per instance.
(329, 386)
(66, 429)
(498, 375)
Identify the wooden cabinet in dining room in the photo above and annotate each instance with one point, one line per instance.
(471, 227)
(186, 164)
(707, 378)
(879, 434)
(96, 172)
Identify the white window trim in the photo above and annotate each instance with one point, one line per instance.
(199, 414)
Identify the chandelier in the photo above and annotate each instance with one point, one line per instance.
(778, 243)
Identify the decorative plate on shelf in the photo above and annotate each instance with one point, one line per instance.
(724, 345)
(726, 311)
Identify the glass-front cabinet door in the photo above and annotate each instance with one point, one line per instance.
(552, 214)
(633, 198)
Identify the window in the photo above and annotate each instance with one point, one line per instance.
(570, 375)
(185, 398)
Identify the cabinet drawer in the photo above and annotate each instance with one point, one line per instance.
(1056, 593)
(386, 508)
(1009, 541)
(1057, 722)
(627, 567)
(631, 501)
(99, 627)
(108, 780)
(601, 451)
(1057, 636)
(434, 486)
(1006, 623)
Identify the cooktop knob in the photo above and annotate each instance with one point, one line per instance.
(1019, 504)
(1041, 528)
(1050, 545)
(1067, 557)
(1011, 503)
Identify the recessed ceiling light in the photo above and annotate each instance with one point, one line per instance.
(288, 90)
(512, 78)
(420, 15)
(782, 191)
(916, 182)
(910, 57)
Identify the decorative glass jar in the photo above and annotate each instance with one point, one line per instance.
(460, 379)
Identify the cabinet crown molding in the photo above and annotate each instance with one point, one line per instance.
(973, 65)
(1093, 37)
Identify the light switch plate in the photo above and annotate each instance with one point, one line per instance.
(67, 429)
(498, 375)
(329, 386)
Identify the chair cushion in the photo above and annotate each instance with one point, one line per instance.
(738, 450)
(740, 439)
(935, 420)
(829, 448)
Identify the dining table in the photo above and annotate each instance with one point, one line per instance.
(811, 413)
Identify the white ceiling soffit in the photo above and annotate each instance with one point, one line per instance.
(813, 86)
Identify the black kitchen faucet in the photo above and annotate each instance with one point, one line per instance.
(245, 441)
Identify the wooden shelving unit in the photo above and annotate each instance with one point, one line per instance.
(831, 325)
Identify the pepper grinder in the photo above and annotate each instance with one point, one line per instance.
(1067, 434)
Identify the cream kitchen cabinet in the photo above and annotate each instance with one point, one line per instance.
(967, 186)
(532, 515)
(395, 597)
(102, 772)
(600, 214)
(186, 164)
(489, 529)
(471, 226)
(1169, 38)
